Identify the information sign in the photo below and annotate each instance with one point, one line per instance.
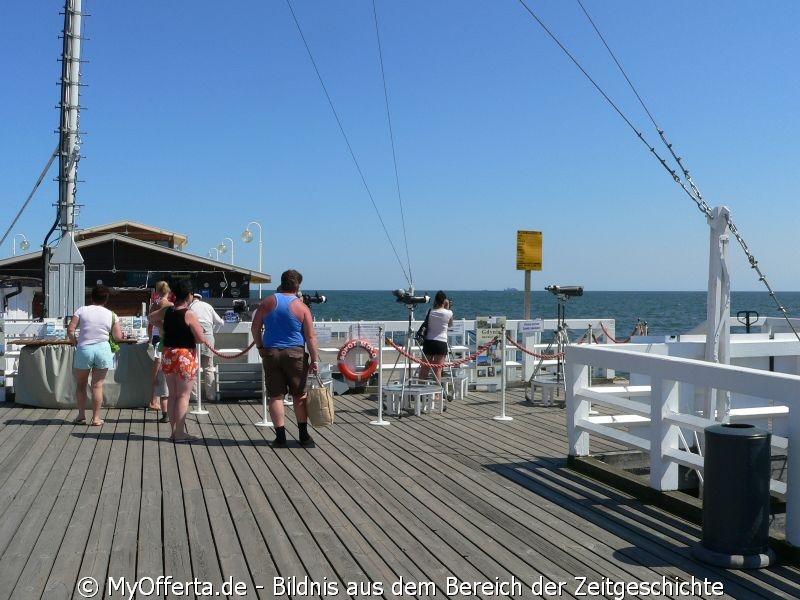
(456, 329)
(535, 326)
(529, 250)
(489, 364)
(365, 331)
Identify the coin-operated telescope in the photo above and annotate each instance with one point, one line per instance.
(407, 297)
(565, 290)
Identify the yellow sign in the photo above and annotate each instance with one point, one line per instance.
(529, 250)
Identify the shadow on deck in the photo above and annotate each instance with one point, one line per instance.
(396, 511)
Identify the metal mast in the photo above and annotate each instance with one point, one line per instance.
(65, 271)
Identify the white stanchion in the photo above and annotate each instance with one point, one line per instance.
(502, 416)
(380, 420)
(265, 422)
(199, 383)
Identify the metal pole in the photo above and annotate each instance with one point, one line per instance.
(265, 422)
(380, 420)
(502, 416)
(199, 384)
(526, 313)
(718, 304)
(247, 237)
(69, 150)
(260, 252)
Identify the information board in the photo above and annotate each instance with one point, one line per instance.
(529, 250)
(534, 326)
(489, 364)
(366, 331)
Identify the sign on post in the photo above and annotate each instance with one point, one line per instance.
(529, 258)
(534, 326)
(489, 365)
(529, 250)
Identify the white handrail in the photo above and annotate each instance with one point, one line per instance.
(661, 437)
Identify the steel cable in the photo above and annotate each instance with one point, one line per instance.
(346, 139)
(689, 186)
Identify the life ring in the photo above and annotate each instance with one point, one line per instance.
(369, 368)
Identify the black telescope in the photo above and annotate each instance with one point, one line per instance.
(315, 299)
(408, 297)
(565, 290)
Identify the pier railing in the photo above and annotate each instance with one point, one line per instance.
(650, 418)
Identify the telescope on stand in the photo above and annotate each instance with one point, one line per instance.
(408, 298)
(568, 291)
(308, 299)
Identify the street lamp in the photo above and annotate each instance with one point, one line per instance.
(216, 253)
(223, 248)
(23, 245)
(247, 237)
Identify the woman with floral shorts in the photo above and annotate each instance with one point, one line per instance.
(180, 333)
(179, 361)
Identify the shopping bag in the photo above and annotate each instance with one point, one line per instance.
(320, 404)
(111, 341)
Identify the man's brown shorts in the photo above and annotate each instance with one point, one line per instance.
(285, 370)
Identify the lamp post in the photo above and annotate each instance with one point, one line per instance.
(216, 253)
(247, 237)
(23, 245)
(224, 248)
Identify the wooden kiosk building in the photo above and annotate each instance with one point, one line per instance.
(129, 258)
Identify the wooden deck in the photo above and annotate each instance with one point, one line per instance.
(443, 495)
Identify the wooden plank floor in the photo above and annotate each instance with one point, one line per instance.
(454, 495)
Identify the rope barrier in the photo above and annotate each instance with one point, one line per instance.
(532, 353)
(638, 329)
(456, 363)
(612, 338)
(218, 353)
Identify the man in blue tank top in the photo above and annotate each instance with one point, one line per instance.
(282, 329)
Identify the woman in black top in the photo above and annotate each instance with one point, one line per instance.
(180, 332)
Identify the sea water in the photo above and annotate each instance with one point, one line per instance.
(665, 313)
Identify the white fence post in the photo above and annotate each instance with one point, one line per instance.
(663, 435)
(793, 477)
(380, 420)
(577, 407)
(265, 421)
(199, 384)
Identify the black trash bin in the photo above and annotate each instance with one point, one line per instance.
(736, 497)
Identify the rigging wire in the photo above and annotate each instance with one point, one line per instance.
(695, 191)
(696, 195)
(688, 186)
(391, 139)
(346, 139)
(30, 196)
(596, 85)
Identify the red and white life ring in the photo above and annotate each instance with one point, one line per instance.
(369, 368)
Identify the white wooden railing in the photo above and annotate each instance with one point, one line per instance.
(660, 426)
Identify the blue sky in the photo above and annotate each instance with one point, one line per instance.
(202, 116)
